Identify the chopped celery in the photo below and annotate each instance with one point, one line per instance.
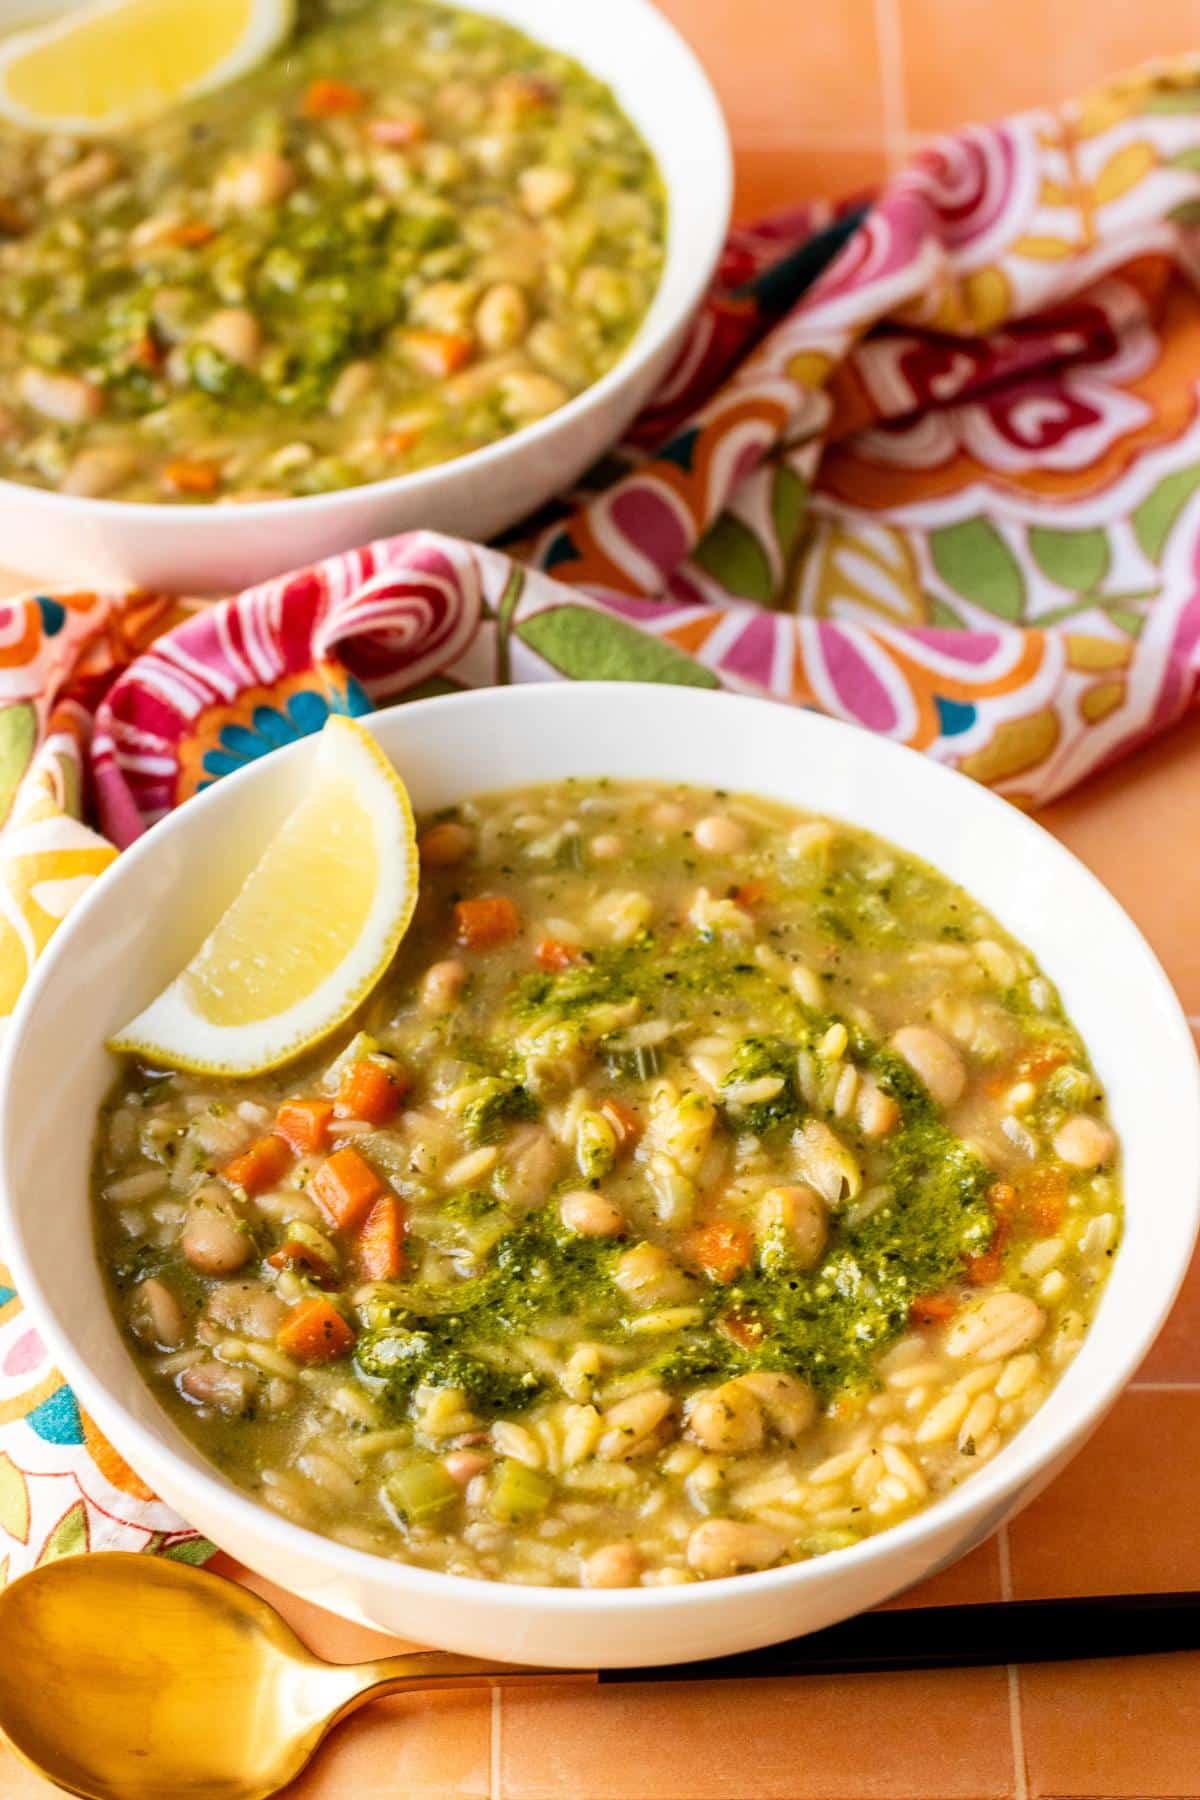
(519, 1493)
(420, 1489)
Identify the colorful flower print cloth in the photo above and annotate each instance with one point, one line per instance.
(929, 464)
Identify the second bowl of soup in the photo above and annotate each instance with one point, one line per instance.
(414, 244)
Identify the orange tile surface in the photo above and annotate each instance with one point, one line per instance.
(824, 98)
(1123, 1512)
(958, 59)
(768, 179)
(775, 1740)
(1126, 825)
(1125, 1730)
(814, 77)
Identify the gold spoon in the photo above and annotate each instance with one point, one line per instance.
(127, 1677)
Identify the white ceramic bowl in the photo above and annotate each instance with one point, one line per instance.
(207, 550)
(150, 910)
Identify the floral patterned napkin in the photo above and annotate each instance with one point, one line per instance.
(931, 466)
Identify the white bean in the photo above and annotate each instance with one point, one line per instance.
(1084, 1142)
(67, 399)
(235, 332)
(502, 317)
(591, 1214)
(99, 470)
(157, 1314)
(720, 835)
(218, 1384)
(612, 1566)
(214, 1240)
(245, 1307)
(526, 394)
(724, 1546)
(634, 1424)
(441, 986)
(800, 1216)
(648, 1277)
(877, 1113)
(933, 1060)
(352, 385)
(789, 1403)
(264, 179)
(543, 189)
(727, 1420)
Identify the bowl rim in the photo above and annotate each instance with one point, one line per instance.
(1015, 1467)
(697, 260)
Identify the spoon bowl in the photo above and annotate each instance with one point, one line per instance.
(155, 1679)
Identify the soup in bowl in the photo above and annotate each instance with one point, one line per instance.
(726, 1180)
(419, 267)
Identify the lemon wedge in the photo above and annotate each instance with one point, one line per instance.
(102, 66)
(315, 925)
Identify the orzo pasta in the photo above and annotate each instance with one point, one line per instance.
(707, 1186)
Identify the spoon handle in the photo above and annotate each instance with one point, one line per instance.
(937, 1637)
(414, 1670)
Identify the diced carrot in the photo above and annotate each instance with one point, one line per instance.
(191, 234)
(519, 94)
(315, 1331)
(345, 1187)
(749, 893)
(932, 1309)
(1043, 1199)
(295, 1255)
(371, 1092)
(987, 1267)
(722, 1249)
(396, 132)
(379, 1251)
(13, 221)
(266, 1161)
(490, 920)
(144, 353)
(624, 1122)
(326, 98)
(191, 477)
(305, 1124)
(552, 955)
(1043, 1061)
(400, 441)
(746, 1328)
(437, 353)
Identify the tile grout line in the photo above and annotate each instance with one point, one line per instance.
(495, 1729)
(890, 45)
(1015, 1724)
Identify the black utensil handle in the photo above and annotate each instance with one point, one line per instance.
(945, 1637)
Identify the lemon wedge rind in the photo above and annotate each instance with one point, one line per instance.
(313, 928)
(106, 65)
